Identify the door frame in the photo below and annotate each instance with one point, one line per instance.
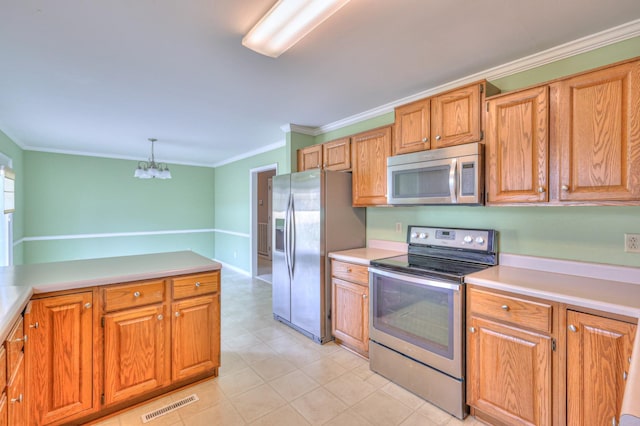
(253, 220)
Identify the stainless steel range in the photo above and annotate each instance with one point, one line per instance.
(417, 312)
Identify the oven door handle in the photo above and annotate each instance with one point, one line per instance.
(415, 279)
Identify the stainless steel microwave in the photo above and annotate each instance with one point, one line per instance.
(452, 175)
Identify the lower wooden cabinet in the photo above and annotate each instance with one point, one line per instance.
(4, 410)
(59, 356)
(196, 336)
(135, 352)
(350, 306)
(598, 355)
(17, 412)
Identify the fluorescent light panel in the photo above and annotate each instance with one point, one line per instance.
(288, 22)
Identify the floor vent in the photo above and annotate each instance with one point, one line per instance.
(146, 418)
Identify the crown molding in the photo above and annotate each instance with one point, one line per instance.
(248, 154)
(305, 130)
(585, 44)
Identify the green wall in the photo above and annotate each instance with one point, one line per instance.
(10, 149)
(233, 208)
(69, 197)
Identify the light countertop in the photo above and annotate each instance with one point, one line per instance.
(19, 283)
(364, 256)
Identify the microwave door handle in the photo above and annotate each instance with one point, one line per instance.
(453, 184)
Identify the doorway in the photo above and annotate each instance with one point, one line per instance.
(261, 223)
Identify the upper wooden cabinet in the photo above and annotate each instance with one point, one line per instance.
(333, 155)
(596, 123)
(598, 353)
(369, 152)
(310, 158)
(517, 147)
(412, 127)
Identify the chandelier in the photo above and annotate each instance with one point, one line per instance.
(151, 169)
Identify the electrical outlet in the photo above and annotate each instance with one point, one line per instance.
(632, 243)
(398, 227)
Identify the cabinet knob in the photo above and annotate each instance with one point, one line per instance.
(349, 270)
(625, 375)
(37, 325)
(505, 307)
(198, 284)
(472, 329)
(136, 294)
(364, 296)
(425, 139)
(573, 328)
(18, 399)
(438, 137)
(177, 314)
(541, 190)
(160, 317)
(22, 339)
(565, 187)
(87, 305)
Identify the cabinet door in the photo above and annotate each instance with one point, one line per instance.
(196, 336)
(4, 410)
(369, 152)
(509, 373)
(597, 127)
(336, 155)
(350, 314)
(517, 147)
(17, 413)
(310, 158)
(455, 117)
(135, 352)
(59, 357)
(598, 352)
(412, 127)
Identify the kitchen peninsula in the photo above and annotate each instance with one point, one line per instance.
(122, 329)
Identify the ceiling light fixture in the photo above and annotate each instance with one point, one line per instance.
(151, 169)
(288, 22)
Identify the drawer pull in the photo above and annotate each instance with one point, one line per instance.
(505, 307)
(35, 325)
(160, 317)
(87, 305)
(18, 399)
(573, 328)
(472, 329)
(198, 284)
(136, 294)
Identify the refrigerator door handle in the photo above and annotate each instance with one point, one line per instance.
(286, 237)
(292, 253)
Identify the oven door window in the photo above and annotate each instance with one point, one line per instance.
(416, 313)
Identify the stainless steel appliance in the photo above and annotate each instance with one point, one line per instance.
(312, 216)
(453, 175)
(417, 314)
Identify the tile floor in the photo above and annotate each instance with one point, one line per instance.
(272, 375)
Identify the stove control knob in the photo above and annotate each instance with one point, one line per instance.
(479, 240)
(414, 235)
(423, 235)
(468, 239)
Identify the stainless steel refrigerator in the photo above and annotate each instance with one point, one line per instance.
(312, 216)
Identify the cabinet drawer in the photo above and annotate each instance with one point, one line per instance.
(15, 345)
(512, 309)
(3, 368)
(131, 295)
(350, 272)
(195, 285)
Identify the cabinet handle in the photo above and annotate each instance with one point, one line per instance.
(425, 139)
(87, 305)
(505, 307)
(573, 328)
(625, 375)
(177, 314)
(438, 137)
(198, 284)
(136, 294)
(565, 187)
(541, 190)
(472, 329)
(160, 317)
(613, 422)
(18, 399)
(364, 296)
(22, 339)
(37, 325)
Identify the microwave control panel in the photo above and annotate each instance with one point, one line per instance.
(469, 239)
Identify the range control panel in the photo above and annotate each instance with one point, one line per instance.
(469, 239)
